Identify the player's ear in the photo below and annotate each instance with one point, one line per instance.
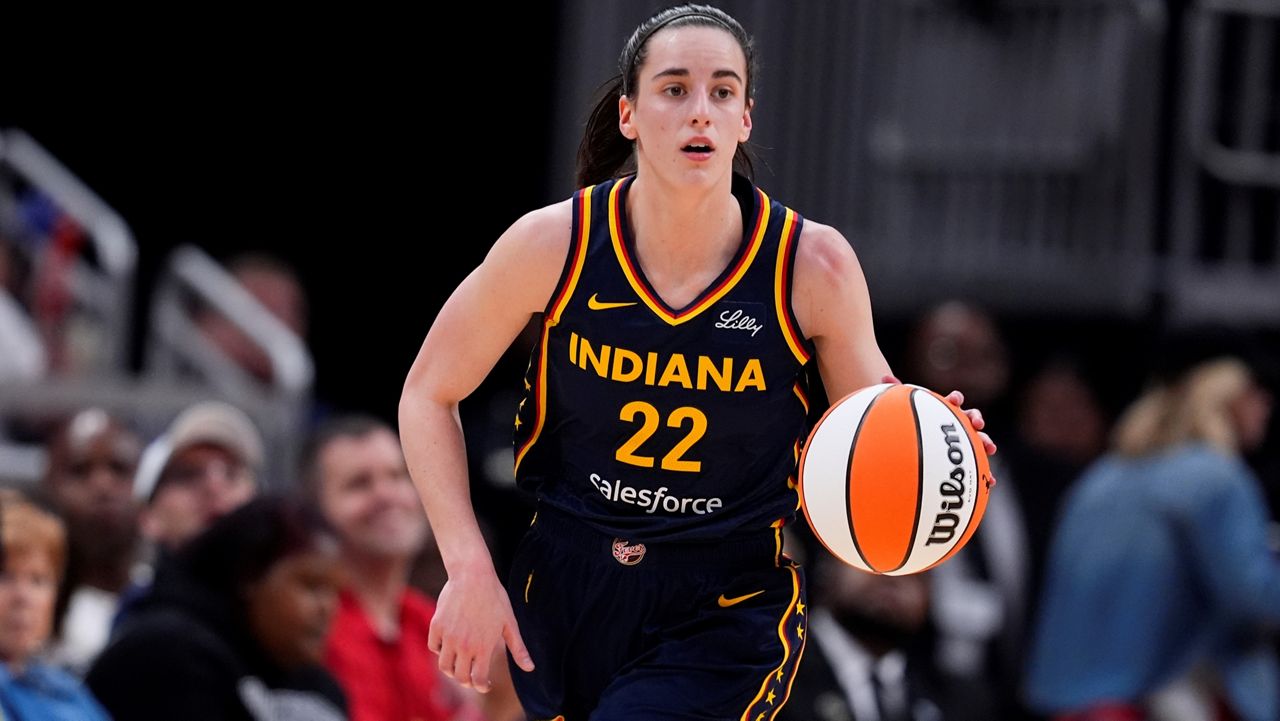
(626, 108)
(745, 134)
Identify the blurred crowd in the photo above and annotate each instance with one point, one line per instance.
(1125, 569)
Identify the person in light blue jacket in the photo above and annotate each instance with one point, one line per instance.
(1161, 587)
(34, 554)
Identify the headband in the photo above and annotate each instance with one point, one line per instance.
(630, 61)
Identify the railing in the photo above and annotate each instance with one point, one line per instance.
(1223, 263)
(177, 348)
(104, 290)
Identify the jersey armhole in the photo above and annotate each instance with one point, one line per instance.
(579, 235)
(801, 345)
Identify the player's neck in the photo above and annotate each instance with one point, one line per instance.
(687, 228)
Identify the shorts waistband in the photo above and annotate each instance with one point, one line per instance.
(755, 550)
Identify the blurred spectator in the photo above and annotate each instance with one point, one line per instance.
(235, 628)
(34, 555)
(378, 650)
(862, 658)
(1061, 428)
(274, 284)
(1160, 593)
(204, 466)
(89, 481)
(981, 593)
(59, 243)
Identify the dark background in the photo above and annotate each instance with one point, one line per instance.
(379, 163)
(380, 153)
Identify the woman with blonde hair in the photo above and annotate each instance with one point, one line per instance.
(34, 556)
(1160, 584)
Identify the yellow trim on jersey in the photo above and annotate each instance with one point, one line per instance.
(646, 295)
(571, 284)
(553, 317)
(780, 285)
(767, 692)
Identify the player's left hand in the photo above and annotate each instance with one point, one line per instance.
(956, 398)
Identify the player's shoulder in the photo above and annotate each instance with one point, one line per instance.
(545, 221)
(541, 232)
(823, 251)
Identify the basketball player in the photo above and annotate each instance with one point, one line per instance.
(665, 405)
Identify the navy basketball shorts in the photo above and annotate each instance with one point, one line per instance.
(623, 631)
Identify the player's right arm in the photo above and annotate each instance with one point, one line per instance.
(476, 325)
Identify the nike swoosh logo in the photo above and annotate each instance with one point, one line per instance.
(727, 602)
(594, 304)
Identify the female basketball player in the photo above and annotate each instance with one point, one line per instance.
(665, 406)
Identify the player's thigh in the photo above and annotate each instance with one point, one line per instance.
(733, 658)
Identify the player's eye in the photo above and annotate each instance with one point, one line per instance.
(673, 90)
(724, 93)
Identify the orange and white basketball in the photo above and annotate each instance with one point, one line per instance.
(893, 479)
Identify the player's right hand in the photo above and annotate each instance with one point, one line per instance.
(473, 616)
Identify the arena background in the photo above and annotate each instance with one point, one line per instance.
(1029, 155)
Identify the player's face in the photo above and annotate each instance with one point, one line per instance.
(689, 109)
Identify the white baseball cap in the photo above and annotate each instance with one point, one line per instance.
(213, 422)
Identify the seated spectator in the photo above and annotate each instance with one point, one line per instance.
(204, 466)
(89, 482)
(34, 555)
(235, 627)
(1161, 585)
(981, 597)
(275, 285)
(864, 658)
(355, 470)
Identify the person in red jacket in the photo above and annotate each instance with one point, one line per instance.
(377, 649)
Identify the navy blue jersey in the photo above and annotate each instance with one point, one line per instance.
(655, 423)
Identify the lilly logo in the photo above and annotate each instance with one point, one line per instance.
(626, 553)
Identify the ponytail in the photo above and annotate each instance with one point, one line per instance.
(604, 152)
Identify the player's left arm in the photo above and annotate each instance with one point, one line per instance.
(833, 307)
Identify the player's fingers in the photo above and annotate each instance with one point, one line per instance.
(435, 639)
(479, 674)
(511, 635)
(955, 398)
(448, 658)
(890, 378)
(991, 481)
(987, 444)
(975, 419)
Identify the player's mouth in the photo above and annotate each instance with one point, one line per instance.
(698, 149)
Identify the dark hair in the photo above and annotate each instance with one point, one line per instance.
(347, 425)
(604, 152)
(242, 546)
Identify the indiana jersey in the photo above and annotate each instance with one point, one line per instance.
(655, 423)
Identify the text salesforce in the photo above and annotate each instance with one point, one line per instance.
(651, 500)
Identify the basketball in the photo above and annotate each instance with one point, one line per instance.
(893, 479)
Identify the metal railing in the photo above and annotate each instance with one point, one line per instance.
(178, 349)
(103, 290)
(1223, 263)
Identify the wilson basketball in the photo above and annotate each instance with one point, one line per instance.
(893, 479)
